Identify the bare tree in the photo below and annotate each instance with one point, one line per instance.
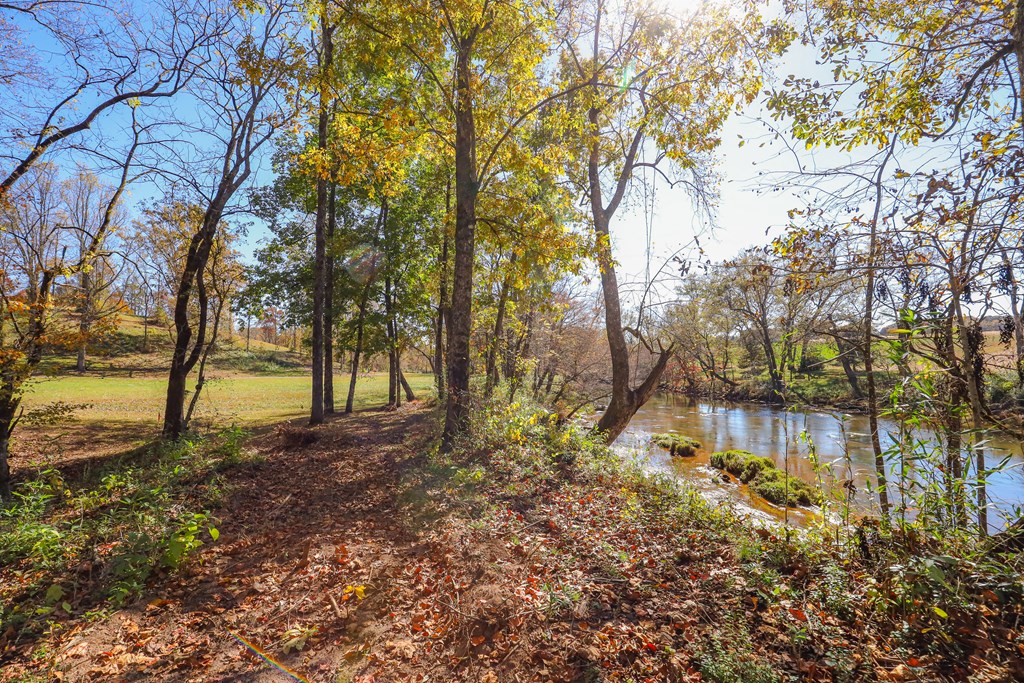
(242, 90)
(42, 239)
(112, 54)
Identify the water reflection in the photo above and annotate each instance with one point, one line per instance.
(842, 442)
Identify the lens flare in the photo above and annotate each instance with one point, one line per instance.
(268, 659)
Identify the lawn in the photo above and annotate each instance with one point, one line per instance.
(237, 399)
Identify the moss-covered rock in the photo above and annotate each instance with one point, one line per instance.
(744, 464)
(765, 479)
(677, 444)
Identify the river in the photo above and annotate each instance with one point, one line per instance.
(765, 430)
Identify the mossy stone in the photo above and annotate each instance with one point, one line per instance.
(765, 479)
(677, 444)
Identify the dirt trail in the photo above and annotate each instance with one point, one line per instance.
(296, 530)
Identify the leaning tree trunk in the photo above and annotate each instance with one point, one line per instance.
(625, 401)
(499, 328)
(357, 352)
(410, 395)
(456, 422)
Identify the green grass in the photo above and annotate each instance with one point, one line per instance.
(248, 400)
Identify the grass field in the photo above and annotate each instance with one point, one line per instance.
(118, 413)
(248, 400)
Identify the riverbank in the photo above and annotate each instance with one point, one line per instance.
(354, 551)
(829, 449)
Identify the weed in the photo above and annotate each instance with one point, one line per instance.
(102, 536)
(733, 664)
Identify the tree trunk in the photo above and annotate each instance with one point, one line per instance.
(316, 408)
(867, 341)
(357, 352)
(456, 422)
(389, 333)
(398, 378)
(186, 354)
(845, 348)
(442, 313)
(410, 395)
(970, 345)
(8, 417)
(625, 401)
(953, 423)
(329, 307)
(803, 367)
(775, 375)
(492, 351)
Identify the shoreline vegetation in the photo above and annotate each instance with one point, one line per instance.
(531, 534)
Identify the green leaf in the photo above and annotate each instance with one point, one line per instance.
(941, 612)
(53, 594)
(214, 533)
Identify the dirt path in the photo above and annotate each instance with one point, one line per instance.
(296, 530)
(358, 549)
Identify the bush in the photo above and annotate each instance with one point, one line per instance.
(677, 444)
(1003, 392)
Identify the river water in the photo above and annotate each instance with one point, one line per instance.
(842, 442)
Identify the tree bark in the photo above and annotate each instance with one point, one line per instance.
(499, 328)
(440, 370)
(316, 408)
(466, 186)
(329, 306)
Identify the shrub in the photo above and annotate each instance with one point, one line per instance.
(677, 444)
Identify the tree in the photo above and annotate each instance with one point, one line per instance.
(96, 298)
(36, 239)
(496, 54)
(243, 89)
(113, 57)
(661, 85)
